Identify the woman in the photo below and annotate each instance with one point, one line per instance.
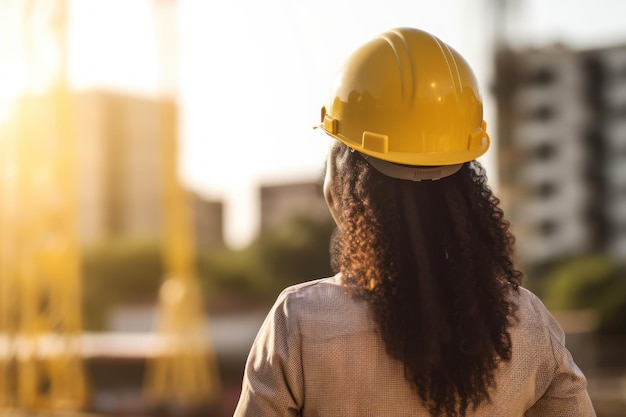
(426, 316)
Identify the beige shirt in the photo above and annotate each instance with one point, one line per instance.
(318, 355)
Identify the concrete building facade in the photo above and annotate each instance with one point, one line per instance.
(121, 172)
(562, 150)
(280, 201)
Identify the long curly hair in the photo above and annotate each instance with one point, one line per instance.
(434, 261)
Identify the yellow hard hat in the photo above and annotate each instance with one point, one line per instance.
(407, 97)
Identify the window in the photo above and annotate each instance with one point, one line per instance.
(544, 152)
(547, 227)
(542, 76)
(543, 113)
(545, 190)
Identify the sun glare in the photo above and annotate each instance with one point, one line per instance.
(11, 85)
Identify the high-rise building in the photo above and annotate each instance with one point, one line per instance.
(612, 64)
(120, 161)
(120, 168)
(121, 165)
(208, 221)
(562, 150)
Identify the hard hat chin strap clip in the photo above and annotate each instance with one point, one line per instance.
(411, 173)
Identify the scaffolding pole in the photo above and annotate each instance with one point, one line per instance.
(184, 372)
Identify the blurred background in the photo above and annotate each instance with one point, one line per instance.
(160, 182)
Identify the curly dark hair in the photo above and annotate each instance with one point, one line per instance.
(434, 261)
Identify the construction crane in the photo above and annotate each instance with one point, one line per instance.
(40, 317)
(185, 370)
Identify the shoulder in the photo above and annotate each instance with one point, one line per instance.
(559, 383)
(537, 327)
(324, 293)
(324, 290)
(533, 312)
(321, 306)
(530, 307)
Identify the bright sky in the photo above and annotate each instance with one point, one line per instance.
(252, 75)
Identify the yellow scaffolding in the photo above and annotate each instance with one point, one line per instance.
(185, 370)
(8, 267)
(40, 280)
(40, 317)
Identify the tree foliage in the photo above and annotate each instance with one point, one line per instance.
(123, 271)
(296, 251)
(119, 272)
(594, 282)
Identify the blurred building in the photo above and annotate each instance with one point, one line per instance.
(279, 202)
(208, 220)
(562, 150)
(120, 157)
(120, 178)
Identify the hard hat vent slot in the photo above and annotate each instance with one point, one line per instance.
(476, 138)
(330, 124)
(375, 142)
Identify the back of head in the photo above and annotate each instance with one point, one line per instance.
(421, 235)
